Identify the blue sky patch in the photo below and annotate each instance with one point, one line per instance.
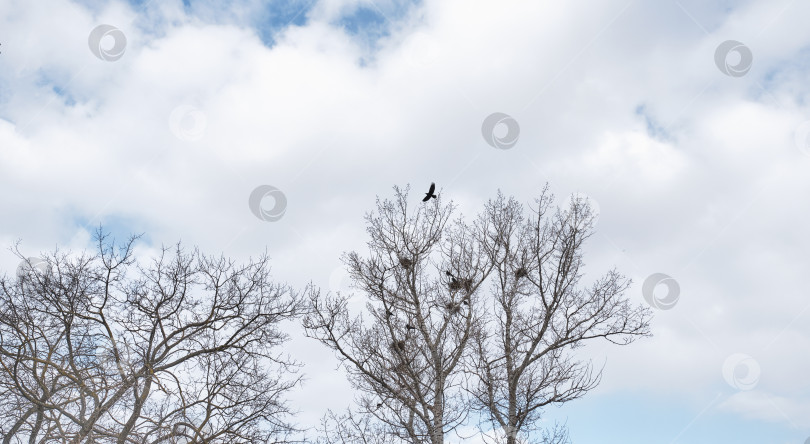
(654, 129)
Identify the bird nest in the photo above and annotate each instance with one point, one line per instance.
(398, 345)
(452, 307)
(461, 284)
(406, 262)
(521, 272)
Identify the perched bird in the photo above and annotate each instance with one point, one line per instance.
(388, 313)
(466, 301)
(430, 194)
(455, 284)
(409, 327)
(379, 405)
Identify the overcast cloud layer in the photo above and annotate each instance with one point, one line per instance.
(698, 174)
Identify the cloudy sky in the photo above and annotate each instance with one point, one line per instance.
(696, 152)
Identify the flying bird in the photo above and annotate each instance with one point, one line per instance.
(430, 194)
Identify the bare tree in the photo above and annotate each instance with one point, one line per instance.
(350, 428)
(522, 360)
(102, 349)
(420, 279)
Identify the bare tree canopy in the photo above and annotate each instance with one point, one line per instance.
(99, 348)
(420, 277)
(432, 346)
(539, 312)
(350, 428)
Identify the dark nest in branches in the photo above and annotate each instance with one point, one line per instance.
(452, 308)
(459, 284)
(406, 262)
(521, 272)
(467, 284)
(400, 367)
(398, 346)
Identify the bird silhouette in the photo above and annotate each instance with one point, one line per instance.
(455, 284)
(388, 313)
(409, 327)
(430, 194)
